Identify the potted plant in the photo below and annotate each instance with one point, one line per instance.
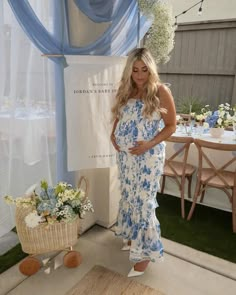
(188, 105)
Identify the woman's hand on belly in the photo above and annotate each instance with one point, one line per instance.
(140, 147)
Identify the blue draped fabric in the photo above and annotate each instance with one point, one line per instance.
(118, 39)
(102, 10)
(35, 30)
(62, 173)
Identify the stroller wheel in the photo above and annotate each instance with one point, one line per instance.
(72, 259)
(29, 266)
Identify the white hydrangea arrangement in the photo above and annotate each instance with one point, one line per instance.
(60, 203)
(160, 39)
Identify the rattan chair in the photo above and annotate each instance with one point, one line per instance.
(179, 169)
(215, 177)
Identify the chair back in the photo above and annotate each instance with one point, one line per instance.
(206, 160)
(182, 150)
(221, 176)
(181, 154)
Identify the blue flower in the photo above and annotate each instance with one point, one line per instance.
(45, 206)
(51, 193)
(146, 170)
(151, 151)
(212, 120)
(43, 195)
(146, 184)
(135, 132)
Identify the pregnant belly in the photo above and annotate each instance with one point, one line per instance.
(127, 141)
(127, 134)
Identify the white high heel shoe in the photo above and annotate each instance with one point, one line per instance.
(125, 247)
(134, 273)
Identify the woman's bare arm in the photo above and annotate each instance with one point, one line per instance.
(169, 118)
(113, 139)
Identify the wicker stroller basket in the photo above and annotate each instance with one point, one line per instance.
(45, 238)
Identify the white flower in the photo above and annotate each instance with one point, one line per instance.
(205, 125)
(221, 113)
(228, 117)
(160, 39)
(33, 219)
(219, 121)
(9, 200)
(63, 184)
(200, 117)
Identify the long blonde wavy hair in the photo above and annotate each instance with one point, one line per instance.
(127, 85)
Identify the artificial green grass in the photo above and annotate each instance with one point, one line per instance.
(209, 230)
(11, 257)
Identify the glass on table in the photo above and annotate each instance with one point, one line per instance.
(180, 124)
(199, 128)
(188, 127)
(180, 128)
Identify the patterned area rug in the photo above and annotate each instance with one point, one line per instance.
(102, 281)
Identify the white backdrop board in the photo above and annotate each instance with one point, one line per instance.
(91, 83)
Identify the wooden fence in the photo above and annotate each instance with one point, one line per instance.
(203, 62)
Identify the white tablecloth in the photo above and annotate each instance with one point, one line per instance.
(27, 134)
(228, 136)
(27, 155)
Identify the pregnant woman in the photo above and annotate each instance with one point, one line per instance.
(144, 116)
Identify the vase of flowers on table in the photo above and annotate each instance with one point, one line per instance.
(217, 120)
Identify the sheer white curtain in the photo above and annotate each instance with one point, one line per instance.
(27, 110)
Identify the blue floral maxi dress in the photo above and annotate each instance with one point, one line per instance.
(139, 182)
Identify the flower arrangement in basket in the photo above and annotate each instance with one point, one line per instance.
(47, 220)
(60, 203)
